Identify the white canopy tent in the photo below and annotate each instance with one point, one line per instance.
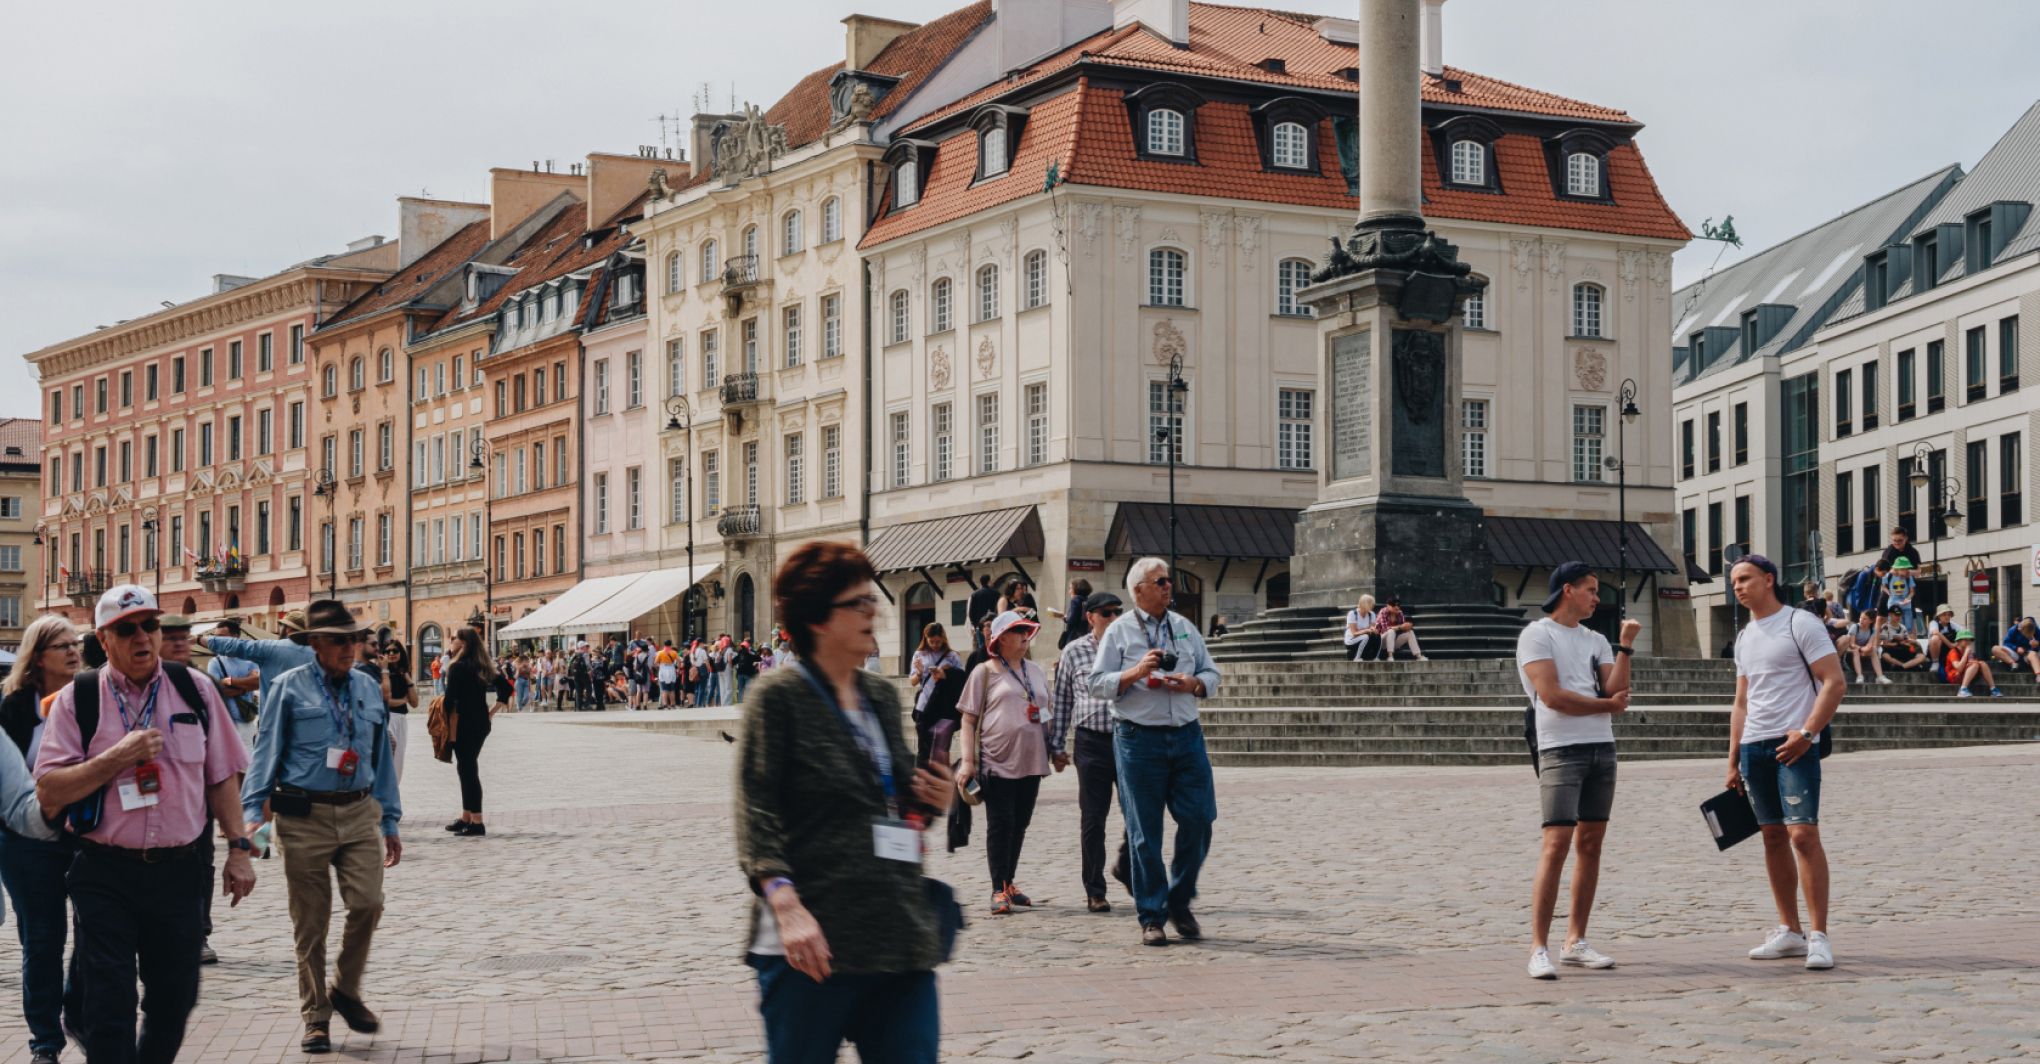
(554, 617)
(645, 593)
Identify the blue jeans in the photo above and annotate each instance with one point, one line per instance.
(1779, 793)
(33, 870)
(1158, 768)
(891, 1017)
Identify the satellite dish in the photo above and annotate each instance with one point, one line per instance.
(1611, 463)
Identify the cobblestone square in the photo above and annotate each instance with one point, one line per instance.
(1373, 914)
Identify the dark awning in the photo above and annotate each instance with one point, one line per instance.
(967, 539)
(1547, 542)
(1142, 528)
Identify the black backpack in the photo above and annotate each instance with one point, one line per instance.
(84, 815)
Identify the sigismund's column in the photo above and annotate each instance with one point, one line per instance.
(1391, 515)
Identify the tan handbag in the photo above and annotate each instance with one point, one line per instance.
(971, 795)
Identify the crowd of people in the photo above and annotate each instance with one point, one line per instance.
(1873, 624)
(641, 673)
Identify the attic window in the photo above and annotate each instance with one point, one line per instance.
(1351, 74)
(909, 160)
(1285, 129)
(1274, 66)
(1465, 150)
(998, 128)
(1164, 118)
(1579, 164)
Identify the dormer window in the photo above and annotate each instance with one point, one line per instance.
(1463, 149)
(906, 184)
(1289, 146)
(1583, 174)
(1286, 131)
(1164, 117)
(910, 160)
(992, 152)
(998, 128)
(1469, 162)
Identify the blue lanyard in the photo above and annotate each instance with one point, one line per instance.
(881, 758)
(1021, 675)
(147, 716)
(340, 709)
(1168, 632)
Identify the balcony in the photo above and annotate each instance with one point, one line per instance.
(738, 522)
(225, 575)
(740, 275)
(85, 587)
(739, 389)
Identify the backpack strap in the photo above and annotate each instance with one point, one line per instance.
(85, 705)
(187, 689)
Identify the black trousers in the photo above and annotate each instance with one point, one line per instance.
(1009, 808)
(1097, 779)
(137, 919)
(466, 752)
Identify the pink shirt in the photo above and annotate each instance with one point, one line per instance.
(1010, 747)
(187, 766)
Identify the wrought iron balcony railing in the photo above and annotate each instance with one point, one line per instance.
(739, 388)
(739, 521)
(740, 270)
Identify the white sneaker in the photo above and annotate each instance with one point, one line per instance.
(1541, 966)
(1581, 955)
(1884, 679)
(1965, 693)
(1784, 942)
(1819, 955)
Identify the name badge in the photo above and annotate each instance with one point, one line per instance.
(896, 840)
(132, 798)
(341, 759)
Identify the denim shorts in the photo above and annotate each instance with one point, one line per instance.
(1578, 783)
(1779, 793)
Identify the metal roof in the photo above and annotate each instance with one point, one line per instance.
(1546, 543)
(1142, 528)
(2010, 170)
(1814, 273)
(967, 539)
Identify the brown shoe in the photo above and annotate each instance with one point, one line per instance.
(317, 1039)
(1185, 925)
(1098, 905)
(1153, 935)
(1013, 895)
(358, 1018)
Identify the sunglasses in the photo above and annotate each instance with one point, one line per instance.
(861, 603)
(1160, 581)
(1113, 612)
(127, 629)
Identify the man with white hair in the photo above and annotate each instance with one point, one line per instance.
(1152, 666)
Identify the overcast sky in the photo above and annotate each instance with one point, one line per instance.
(146, 146)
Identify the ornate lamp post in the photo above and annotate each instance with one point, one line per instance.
(323, 484)
(1627, 398)
(480, 450)
(43, 535)
(676, 410)
(1168, 437)
(1944, 492)
(149, 527)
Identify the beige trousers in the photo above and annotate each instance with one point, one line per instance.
(346, 839)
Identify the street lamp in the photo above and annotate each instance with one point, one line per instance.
(149, 526)
(1944, 492)
(1630, 413)
(44, 535)
(676, 409)
(324, 484)
(1168, 436)
(480, 450)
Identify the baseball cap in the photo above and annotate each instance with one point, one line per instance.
(1964, 633)
(1100, 600)
(176, 622)
(1010, 620)
(1567, 574)
(1901, 562)
(122, 601)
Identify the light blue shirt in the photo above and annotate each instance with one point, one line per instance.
(1132, 636)
(273, 656)
(298, 726)
(18, 807)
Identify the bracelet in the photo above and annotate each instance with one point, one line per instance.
(1620, 649)
(774, 884)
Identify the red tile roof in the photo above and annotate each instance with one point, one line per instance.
(558, 249)
(419, 277)
(1088, 132)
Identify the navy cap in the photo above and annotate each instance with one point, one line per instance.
(1100, 600)
(1567, 574)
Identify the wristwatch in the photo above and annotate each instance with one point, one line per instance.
(243, 844)
(1620, 649)
(1806, 735)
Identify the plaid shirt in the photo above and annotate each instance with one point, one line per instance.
(1073, 698)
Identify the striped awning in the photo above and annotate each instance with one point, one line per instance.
(966, 539)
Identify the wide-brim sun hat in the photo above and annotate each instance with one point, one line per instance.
(1945, 608)
(1902, 563)
(328, 617)
(1010, 620)
(1964, 633)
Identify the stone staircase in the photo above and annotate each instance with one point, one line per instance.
(1318, 633)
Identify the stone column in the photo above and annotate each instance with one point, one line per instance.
(1391, 181)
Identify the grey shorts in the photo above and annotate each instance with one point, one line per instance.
(1578, 782)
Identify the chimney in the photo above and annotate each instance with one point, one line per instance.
(1030, 29)
(227, 282)
(1168, 18)
(1434, 37)
(424, 224)
(615, 180)
(865, 36)
(515, 195)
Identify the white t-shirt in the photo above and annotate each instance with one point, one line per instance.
(1775, 654)
(1577, 653)
(1362, 621)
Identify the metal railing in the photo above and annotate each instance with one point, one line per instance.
(740, 270)
(739, 388)
(743, 520)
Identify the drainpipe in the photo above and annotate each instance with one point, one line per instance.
(404, 323)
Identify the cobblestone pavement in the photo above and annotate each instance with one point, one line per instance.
(1351, 914)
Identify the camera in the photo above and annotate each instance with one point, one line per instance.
(1168, 662)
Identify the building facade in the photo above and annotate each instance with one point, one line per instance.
(178, 452)
(1043, 358)
(21, 554)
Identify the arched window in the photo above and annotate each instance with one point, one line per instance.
(987, 292)
(1469, 162)
(1166, 267)
(1583, 174)
(357, 374)
(906, 184)
(708, 260)
(674, 273)
(751, 242)
(385, 365)
(938, 305)
(1586, 310)
(790, 234)
(1290, 276)
(431, 644)
(1475, 314)
(1165, 131)
(332, 379)
(992, 151)
(898, 315)
(832, 220)
(1290, 146)
(1037, 278)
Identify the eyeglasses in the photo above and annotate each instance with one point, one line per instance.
(127, 629)
(861, 603)
(1160, 581)
(68, 644)
(1113, 612)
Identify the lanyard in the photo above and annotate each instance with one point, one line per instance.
(1168, 632)
(1020, 674)
(147, 716)
(340, 709)
(881, 758)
